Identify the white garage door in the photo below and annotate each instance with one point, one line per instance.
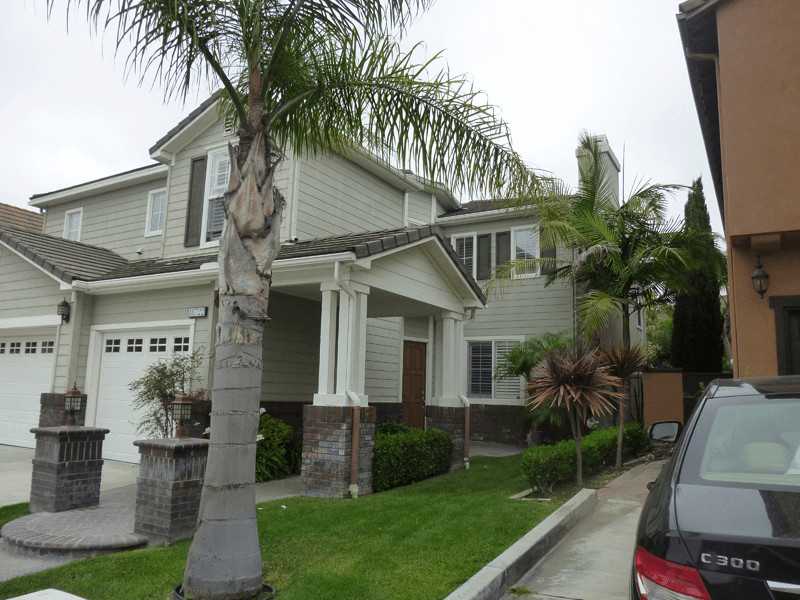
(124, 357)
(26, 366)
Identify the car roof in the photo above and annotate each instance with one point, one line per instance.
(751, 386)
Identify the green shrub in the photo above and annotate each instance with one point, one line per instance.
(408, 456)
(390, 426)
(544, 466)
(276, 450)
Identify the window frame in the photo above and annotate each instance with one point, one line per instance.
(67, 214)
(513, 339)
(535, 231)
(212, 152)
(462, 236)
(148, 232)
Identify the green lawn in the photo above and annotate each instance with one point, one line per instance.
(419, 541)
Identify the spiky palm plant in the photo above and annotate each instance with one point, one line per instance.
(302, 76)
(578, 380)
(623, 361)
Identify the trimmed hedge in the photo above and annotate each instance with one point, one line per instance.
(544, 466)
(278, 454)
(408, 456)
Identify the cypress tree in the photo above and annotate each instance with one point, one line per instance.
(697, 344)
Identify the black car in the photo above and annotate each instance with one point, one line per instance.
(722, 520)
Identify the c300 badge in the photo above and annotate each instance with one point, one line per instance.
(724, 561)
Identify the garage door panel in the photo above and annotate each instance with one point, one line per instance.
(124, 358)
(26, 366)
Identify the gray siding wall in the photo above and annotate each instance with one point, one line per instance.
(291, 350)
(416, 327)
(419, 206)
(383, 359)
(24, 289)
(114, 220)
(337, 196)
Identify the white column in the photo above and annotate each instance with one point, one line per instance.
(343, 345)
(327, 342)
(449, 332)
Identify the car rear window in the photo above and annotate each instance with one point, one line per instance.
(750, 441)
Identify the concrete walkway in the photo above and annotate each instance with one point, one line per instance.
(593, 561)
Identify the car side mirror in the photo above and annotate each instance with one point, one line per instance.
(665, 431)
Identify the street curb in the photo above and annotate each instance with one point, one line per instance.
(491, 582)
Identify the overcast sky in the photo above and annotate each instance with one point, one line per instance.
(553, 67)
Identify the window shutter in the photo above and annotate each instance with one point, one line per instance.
(194, 210)
(503, 247)
(507, 388)
(548, 252)
(480, 369)
(484, 256)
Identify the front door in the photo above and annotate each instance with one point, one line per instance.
(414, 384)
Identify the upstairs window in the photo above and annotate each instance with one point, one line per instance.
(72, 224)
(216, 185)
(465, 247)
(156, 207)
(526, 245)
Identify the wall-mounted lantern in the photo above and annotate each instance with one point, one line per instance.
(760, 278)
(73, 402)
(63, 310)
(181, 412)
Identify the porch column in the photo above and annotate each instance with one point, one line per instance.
(449, 330)
(446, 412)
(327, 344)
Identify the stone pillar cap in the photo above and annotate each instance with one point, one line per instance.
(173, 443)
(63, 430)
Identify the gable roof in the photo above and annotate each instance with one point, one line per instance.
(19, 217)
(184, 122)
(64, 259)
(70, 261)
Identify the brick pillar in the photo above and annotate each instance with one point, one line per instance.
(67, 467)
(51, 410)
(327, 450)
(168, 488)
(449, 419)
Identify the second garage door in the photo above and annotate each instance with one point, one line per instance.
(124, 358)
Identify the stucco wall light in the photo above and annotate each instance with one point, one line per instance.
(760, 278)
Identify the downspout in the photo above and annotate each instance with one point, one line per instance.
(465, 402)
(354, 398)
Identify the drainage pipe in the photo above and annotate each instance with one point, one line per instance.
(465, 402)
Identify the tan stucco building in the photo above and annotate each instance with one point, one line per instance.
(743, 58)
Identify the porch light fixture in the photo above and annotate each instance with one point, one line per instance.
(760, 278)
(181, 412)
(73, 402)
(63, 310)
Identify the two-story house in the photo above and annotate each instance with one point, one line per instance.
(370, 303)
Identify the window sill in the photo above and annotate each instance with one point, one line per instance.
(154, 233)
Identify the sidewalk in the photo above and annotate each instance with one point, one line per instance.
(593, 561)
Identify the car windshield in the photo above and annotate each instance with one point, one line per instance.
(751, 441)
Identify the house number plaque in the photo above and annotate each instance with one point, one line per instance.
(198, 311)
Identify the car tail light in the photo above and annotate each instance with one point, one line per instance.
(658, 579)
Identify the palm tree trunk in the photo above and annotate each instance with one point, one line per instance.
(626, 388)
(224, 561)
(575, 425)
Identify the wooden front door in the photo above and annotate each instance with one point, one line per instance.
(414, 384)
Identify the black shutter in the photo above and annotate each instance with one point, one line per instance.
(484, 256)
(194, 208)
(548, 252)
(503, 247)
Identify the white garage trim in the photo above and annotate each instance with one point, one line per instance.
(96, 333)
(25, 322)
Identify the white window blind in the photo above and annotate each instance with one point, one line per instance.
(482, 361)
(526, 245)
(218, 185)
(155, 220)
(72, 228)
(465, 249)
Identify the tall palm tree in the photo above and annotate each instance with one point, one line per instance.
(306, 76)
(578, 380)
